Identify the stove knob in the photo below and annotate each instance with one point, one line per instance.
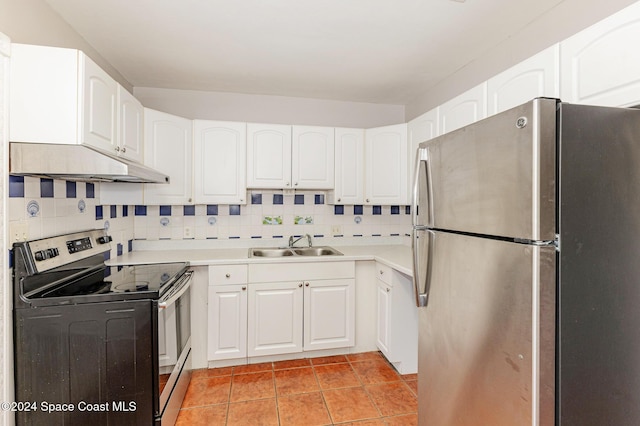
(105, 239)
(40, 255)
(52, 252)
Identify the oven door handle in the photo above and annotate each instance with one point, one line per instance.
(178, 290)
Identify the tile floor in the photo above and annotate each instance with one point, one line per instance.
(359, 389)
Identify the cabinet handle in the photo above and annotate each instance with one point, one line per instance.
(287, 184)
(189, 199)
(367, 200)
(339, 199)
(381, 272)
(244, 288)
(388, 289)
(295, 184)
(117, 149)
(124, 149)
(307, 284)
(228, 275)
(300, 285)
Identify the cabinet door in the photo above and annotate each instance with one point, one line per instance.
(130, 126)
(464, 109)
(334, 330)
(313, 157)
(386, 165)
(349, 165)
(268, 156)
(420, 129)
(383, 329)
(220, 152)
(44, 91)
(227, 322)
(601, 65)
(99, 109)
(275, 318)
(168, 148)
(537, 76)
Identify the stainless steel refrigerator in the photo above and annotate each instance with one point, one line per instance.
(526, 246)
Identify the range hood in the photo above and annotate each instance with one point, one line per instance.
(77, 163)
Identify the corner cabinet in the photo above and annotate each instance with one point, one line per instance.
(290, 157)
(219, 162)
(386, 169)
(168, 148)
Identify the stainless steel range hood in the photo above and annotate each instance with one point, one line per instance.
(77, 163)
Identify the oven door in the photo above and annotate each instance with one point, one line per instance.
(174, 349)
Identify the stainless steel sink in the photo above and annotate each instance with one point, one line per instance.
(317, 251)
(284, 252)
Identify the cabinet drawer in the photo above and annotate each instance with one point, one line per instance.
(297, 271)
(227, 274)
(383, 272)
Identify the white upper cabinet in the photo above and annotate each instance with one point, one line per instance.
(464, 109)
(268, 156)
(537, 76)
(386, 171)
(286, 157)
(421, 129)
(312, 157)
(601, 65)
(130, 126)
(72, 101)
(168, 148)
(219, 162)
(349, 167)
(100, 105)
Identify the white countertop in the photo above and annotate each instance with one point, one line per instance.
(396, 256)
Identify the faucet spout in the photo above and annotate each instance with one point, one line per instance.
(292, 241)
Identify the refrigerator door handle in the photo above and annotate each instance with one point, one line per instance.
(422, 156)
(421, 284)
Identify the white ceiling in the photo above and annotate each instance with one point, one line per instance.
(379, 51)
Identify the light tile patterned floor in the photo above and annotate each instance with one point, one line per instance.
(359, 389)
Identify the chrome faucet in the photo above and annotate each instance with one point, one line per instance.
(292, 241)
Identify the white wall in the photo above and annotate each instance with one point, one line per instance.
(561, 22)
(194, 104)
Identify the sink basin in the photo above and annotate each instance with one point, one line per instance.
(270, 252)
(316, 251)
(284, 252)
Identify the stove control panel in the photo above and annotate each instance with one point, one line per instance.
(52, 252)
(80, 244)
(46, 254)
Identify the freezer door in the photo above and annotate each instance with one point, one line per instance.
(421, 205)
(497, 176)
(487, 334)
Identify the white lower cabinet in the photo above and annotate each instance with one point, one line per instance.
(227, 322)
(329, 314)
(275, 318)
(397, 319)
(274, 309)
(227, 312)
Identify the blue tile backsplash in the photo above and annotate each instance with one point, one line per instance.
(66, 206)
